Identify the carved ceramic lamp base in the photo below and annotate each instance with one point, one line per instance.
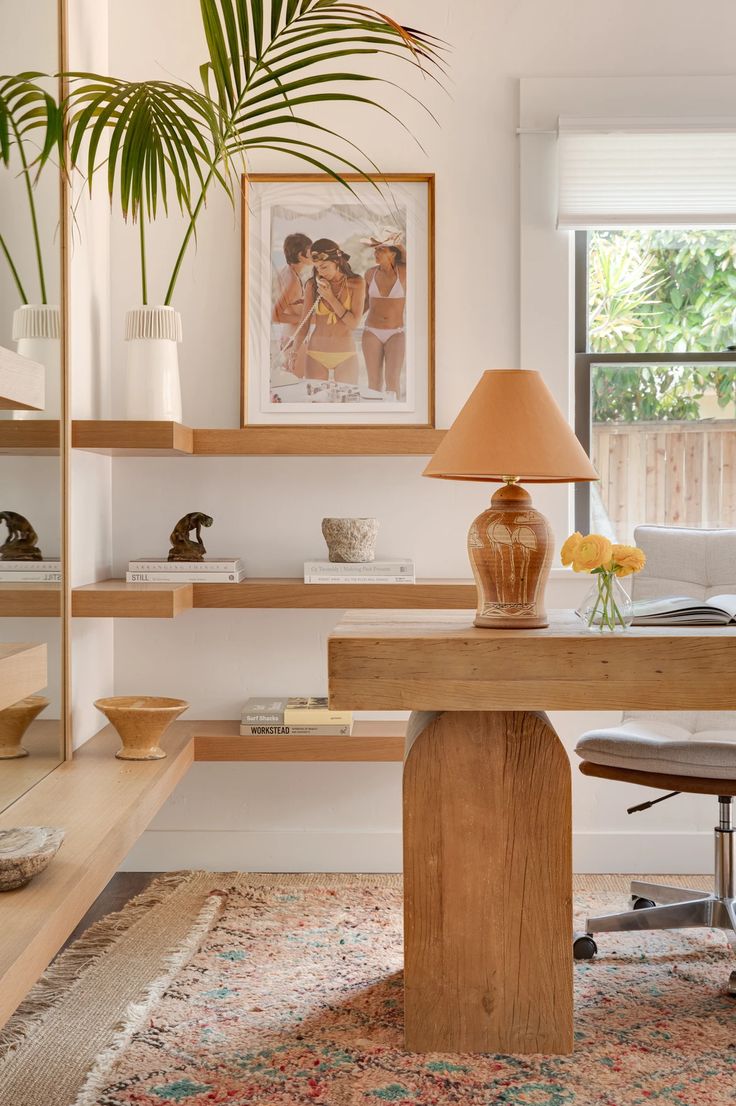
(510, 547)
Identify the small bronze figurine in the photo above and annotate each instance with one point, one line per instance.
(182, 546)
(22, 538)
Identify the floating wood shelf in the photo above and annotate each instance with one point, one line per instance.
(322, 441)
(35, 436)
(22, 671)
(22, 382)
(140, 439)
(426, 594)
(30, 600)
(369, 741)
(117, 599)
(103, 805)
(146, 439)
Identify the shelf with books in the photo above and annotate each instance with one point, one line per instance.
(369, 741)
(146, 439)
(116, 599)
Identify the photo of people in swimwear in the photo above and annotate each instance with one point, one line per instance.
(338, 294)
(339, 308)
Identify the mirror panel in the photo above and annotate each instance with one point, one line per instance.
(32, 469)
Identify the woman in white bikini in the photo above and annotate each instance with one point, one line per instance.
(333, 300)
(384, 336)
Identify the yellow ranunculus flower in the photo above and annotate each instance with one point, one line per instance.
(593, 551)
(568, 549)
(629, 559)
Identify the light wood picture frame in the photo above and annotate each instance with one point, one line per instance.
(338, 301)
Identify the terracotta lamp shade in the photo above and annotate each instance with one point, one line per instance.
(510, 430)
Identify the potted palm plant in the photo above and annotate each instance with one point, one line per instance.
(269, 62)
(30, 132)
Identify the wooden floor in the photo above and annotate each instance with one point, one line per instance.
(123, 887)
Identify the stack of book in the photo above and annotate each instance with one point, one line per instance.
(398, 571)
(212, 570)
(293, 717)
(31, 572)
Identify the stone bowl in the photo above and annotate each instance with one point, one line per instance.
(141, 721)
(24, 852)
(350, 540)
(14, 721)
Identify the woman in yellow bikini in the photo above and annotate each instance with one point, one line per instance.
(333, 298)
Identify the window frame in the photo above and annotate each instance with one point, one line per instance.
(546, 278)
(584, 359)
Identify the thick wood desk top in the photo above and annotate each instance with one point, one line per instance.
(437, 660)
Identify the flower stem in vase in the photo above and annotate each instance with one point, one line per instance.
(594, 611)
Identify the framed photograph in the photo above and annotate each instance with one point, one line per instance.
(338, 301)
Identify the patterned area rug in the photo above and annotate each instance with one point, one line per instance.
(289, 992)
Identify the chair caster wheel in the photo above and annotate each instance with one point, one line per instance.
(731, 985)
(584, 947)
(638, 903)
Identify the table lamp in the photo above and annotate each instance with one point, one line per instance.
(511, 429)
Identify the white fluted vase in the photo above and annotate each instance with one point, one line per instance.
(37, 336)
(152, 387)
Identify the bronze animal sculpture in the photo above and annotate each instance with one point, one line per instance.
(21, 540)
(183, 548)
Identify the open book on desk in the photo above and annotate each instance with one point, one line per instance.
(683, 610)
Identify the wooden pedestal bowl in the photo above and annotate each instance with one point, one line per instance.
(141, 721)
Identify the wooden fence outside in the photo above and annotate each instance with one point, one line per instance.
(668, 473)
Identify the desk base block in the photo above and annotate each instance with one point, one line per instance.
(488, 884)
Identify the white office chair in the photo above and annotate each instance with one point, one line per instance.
(686, 751)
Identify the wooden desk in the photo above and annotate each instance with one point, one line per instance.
(487, 804)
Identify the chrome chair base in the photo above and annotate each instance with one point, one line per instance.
(677, 908)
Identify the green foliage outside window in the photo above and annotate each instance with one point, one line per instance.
(661, 291)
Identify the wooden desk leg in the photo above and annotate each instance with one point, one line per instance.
(488, 884)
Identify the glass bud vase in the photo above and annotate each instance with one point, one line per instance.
(607, 607)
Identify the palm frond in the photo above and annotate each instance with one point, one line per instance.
(30, 120)
(31, 127)
(266, 61)
(304, 37)
(159, 138)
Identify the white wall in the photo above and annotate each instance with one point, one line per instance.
(270, 816)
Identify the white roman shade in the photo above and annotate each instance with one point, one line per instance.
(646, 172)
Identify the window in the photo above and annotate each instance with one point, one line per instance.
(655, 364)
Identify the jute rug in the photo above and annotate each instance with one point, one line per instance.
(277, 990)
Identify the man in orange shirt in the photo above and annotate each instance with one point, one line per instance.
(289, 298)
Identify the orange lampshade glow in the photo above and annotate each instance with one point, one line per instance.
(511, 427)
